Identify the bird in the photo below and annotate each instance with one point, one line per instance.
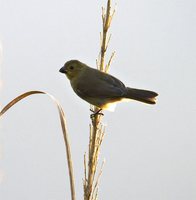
(102, 89)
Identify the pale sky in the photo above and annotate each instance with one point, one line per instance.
(150, 151)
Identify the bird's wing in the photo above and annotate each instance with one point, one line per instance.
(100, 85)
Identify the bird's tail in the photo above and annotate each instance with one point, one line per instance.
(144, 96)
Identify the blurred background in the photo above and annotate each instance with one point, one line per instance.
(150, 151)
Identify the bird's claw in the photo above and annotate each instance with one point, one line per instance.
(98, 112)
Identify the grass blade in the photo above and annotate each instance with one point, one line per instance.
(64, 130)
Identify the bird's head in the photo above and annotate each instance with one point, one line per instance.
(72, 68)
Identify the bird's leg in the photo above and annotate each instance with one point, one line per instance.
(98, 112)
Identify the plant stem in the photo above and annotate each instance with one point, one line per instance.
(96, 128)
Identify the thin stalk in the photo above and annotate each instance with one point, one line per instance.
(64, 129)
(96, 129)
(106, 18)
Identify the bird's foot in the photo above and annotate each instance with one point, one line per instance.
(98, 112)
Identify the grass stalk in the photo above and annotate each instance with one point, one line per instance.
(64, 130)
(97, 130)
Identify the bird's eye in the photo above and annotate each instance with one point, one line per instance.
(71, 67)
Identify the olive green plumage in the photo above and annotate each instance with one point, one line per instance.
(101, 89)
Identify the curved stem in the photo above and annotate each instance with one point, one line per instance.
(64, 129)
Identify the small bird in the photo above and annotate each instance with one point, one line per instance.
(101, 89)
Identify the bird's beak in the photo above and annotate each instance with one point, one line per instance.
(63, 70)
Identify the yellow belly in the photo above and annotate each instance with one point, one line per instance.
(112, 105)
